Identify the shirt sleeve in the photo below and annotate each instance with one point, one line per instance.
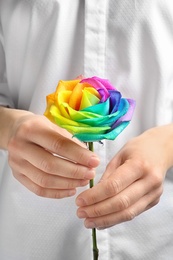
(5, 95)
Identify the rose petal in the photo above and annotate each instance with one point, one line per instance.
(88, 99)
(50, 100)
(91, 109)
(76, 96)
(98, 86)
(115, 97)
(105, 83)
(80, 115)
(66, 85)
(110, 118)
(128, 115)
(100, 108)
(111, 135)
(60, 120)
(85, 130)
(62, 99)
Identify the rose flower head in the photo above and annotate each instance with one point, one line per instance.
(90, 108)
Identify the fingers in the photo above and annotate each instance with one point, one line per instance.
(44, 179)
(58, 179)
(44, 192)
(116, 203)
(60, 145)
(125, 194)
(125, 175)
(43, 184)
(48, 163)
(46, 159)
(129, 213)
(131, 184)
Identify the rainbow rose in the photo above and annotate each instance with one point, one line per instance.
(91, 109)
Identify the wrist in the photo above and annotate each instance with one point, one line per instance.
(8, 118)
(164, 136)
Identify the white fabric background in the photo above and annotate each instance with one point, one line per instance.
(129, 42)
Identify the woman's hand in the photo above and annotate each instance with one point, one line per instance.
(132, 182)
(44, 157)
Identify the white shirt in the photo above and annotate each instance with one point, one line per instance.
(130, 43)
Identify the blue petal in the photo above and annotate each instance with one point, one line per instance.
(100, 108)
(108, 120)
(115, 97)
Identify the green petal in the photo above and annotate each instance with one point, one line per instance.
(88, 99)
(60, 120)
(79, 115)
(93, 137)
(85, 129)
(100, 109)
(108, 119)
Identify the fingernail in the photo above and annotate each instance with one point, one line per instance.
(80, 202)
(81, 214)
(94, 161)
(90, 224)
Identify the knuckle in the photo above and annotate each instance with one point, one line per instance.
(15, 163)
(71, 184)
(24, 129)
(57, 194)
(97, 212)
(112, 187)
(43, 180)
(160, 191)
(123, 203)
(76, 172)
(105, 223)
(129, 215)
(13, 146)
(156, 179)
(93, 199)
(16, 175)
(156, 198)
(57, 144)
(82, 157)
(154, 203)
(60, 194)
(46, 165)
(39, 191)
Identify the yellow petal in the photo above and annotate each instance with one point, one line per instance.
(62, 99)
(66, 85)
(76, 95)
(88, 99)
(50, 101)
(93, 91)
(60, 120)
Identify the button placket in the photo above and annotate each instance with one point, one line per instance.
(95, 37)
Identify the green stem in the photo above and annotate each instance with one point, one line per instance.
(94, 237)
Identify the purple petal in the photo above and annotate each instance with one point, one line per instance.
(98, 86)
(128, 116)
(105, 82)
(103, 95)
